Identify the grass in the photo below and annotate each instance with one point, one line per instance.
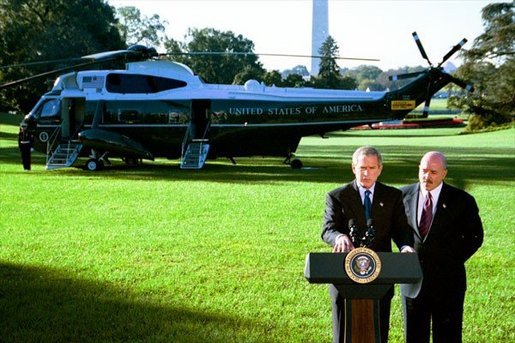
(436, 104)
(159, 254)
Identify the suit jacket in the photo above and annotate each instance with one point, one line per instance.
(388, 213)
(455, 235)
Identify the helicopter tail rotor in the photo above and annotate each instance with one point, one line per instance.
(421, 48)
(435, 73)
(453, 51)
(414, 74)
(427, 103)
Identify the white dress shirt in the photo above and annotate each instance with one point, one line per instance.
(422, 195)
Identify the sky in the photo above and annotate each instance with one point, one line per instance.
(380, 29)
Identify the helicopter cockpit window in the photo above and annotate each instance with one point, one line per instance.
(138, 84)
(50, 109)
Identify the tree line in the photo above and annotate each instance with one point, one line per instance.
(32, 31)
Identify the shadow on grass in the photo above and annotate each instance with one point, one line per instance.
(44, 305)
(466, 165)
(328, 164)
(9, 136)
(392, 134)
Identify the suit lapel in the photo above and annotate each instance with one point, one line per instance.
(357, 205)
(440, 207)
(380, 197)
(411, 207)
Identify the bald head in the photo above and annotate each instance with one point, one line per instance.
(432, 170)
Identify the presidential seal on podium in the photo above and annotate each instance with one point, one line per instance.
(362, 265)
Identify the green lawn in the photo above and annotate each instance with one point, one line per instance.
(159, 254)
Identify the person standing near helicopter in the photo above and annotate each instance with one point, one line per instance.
(385, 207)
(25, 141)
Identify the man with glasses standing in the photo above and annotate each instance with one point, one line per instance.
(448, 232)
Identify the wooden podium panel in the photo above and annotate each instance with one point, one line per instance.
(362, 299)
(362, 324)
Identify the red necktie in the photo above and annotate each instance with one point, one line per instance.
(427, 216)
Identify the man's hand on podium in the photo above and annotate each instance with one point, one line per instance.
(343, 244)
(407, 249)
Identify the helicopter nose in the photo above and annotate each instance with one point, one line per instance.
(28, 122)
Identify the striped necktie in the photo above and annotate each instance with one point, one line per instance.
(427, 216)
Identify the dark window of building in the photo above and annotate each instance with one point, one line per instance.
(50, 108)
(144, 112)
(137, 84)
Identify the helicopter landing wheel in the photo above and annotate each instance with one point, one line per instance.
(296, 164)
(131, 161)
(94, 164)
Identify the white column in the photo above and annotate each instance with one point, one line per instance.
(319, 31)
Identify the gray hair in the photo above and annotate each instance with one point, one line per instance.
(367, 151)
(437, 154)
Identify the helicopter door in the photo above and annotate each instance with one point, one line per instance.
(196, 143)
(200, 116)
(72, 116)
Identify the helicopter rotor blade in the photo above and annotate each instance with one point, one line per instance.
(466, 86)
(47, 62)
(48, 73)
(421, 48)
(425, 111)
(317, 56)
(133, 53)
(236, 53)
(139, 52)
(101, 56)
(404, 76)
(453, 51)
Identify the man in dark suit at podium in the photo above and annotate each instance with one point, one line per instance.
(385, 208)
(449, 231)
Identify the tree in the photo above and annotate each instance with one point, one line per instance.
(249, 72)
(295, 77)
(366, 76)
(329, 73)
(137, 29)
(294, 80)
(298, 69)
(490, 66)
(366, 72)
(216, 68)
(40, 30)
(371, 85)
(383, 80)
(273, 78)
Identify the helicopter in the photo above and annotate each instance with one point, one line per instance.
(160, 108)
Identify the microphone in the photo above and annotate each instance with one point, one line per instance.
(353, 231)
(370, 233)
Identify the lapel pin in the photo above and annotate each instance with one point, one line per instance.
(444, 206)
(381, 204)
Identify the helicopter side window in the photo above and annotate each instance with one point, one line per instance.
(140, 84)
(50, 109)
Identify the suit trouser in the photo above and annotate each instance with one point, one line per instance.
(25, 155)
(444, 309)
(338, 312)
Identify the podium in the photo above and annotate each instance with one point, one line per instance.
(362, 292)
